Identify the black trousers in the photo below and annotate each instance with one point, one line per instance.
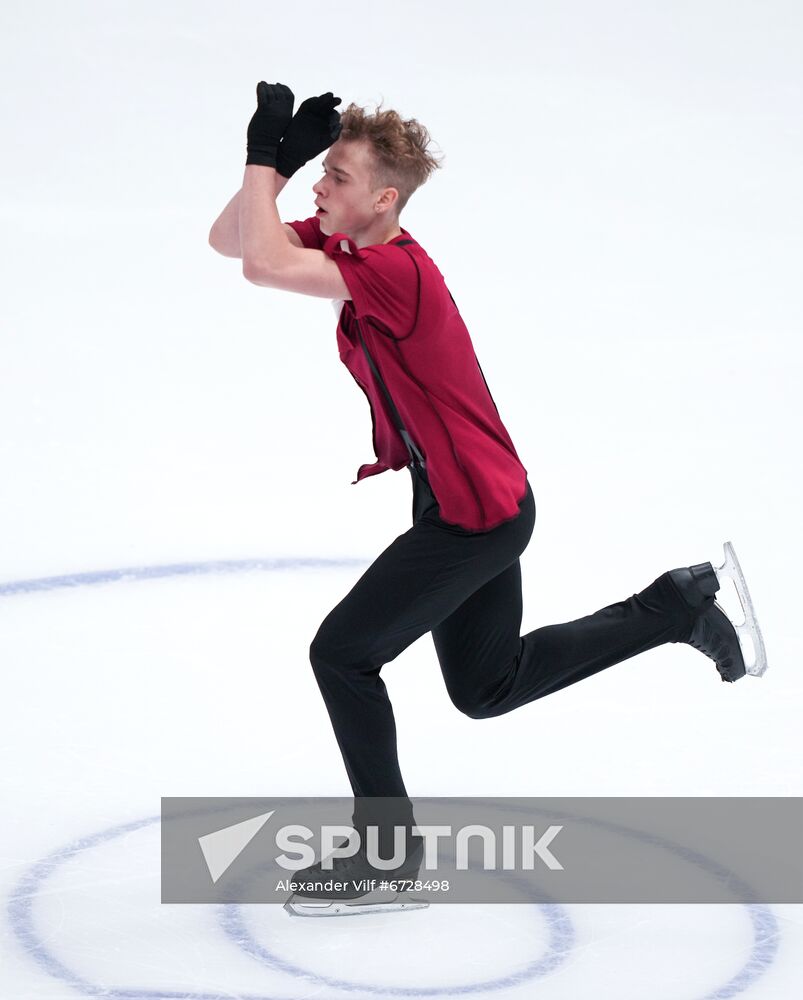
(464, 588)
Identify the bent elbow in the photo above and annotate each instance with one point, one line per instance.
(255, 272)
(216, 247)
(222, 247)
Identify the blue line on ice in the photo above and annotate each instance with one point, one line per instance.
(21, 918)
(172, 569)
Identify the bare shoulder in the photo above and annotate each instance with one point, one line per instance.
(292, 235)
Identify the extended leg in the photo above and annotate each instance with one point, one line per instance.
(490, 669)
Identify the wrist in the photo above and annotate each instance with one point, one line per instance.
(261, 157)
(285, 171)
(285, 165)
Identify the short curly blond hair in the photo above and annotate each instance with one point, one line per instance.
(400, 155)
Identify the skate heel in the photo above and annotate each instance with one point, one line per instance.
(706, 578)
(697, 584)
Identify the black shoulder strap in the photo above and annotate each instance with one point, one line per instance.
(415, 455)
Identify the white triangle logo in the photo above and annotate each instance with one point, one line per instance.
(222, 848)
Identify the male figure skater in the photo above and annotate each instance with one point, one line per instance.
(456, 571)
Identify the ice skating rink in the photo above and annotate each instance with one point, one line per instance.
(619, 220)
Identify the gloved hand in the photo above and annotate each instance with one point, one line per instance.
(315, 126)
(272, 116)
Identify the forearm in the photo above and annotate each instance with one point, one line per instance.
(262, 239)
(224, 236)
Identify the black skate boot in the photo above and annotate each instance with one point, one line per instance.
(353, 886)
(713, 632)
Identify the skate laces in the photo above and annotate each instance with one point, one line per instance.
(711, 639)
(713, 643)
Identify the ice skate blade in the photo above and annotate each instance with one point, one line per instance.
(749, 627)
(302, 907)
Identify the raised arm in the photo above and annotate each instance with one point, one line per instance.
(314, 127)
(224, 236)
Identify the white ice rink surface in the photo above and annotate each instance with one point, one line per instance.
(619, 219)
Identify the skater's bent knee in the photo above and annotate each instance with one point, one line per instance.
(473, 708)
(326, 653)
(319, 652)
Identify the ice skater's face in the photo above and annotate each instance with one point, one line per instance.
(345, 197)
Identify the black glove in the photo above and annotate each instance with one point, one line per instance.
(273, 114)
(315, 126)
